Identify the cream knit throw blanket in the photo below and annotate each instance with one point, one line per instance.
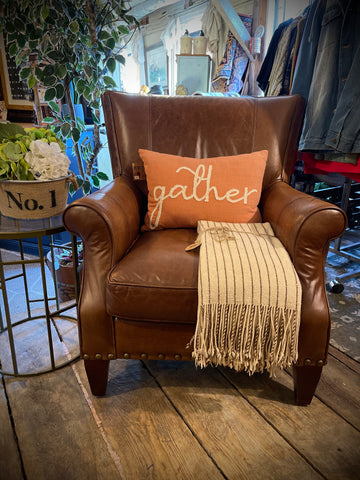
(249, 299)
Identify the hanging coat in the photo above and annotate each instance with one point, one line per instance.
(327, 75)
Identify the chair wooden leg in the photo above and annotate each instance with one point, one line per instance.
(97, 374)
(306, 380)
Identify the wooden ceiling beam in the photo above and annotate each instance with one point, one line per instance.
(141, 9)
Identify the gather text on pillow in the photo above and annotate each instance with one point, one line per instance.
(201, 178)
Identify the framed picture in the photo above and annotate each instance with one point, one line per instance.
(16, 94)
(156, 66)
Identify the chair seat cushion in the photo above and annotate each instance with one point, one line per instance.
(157, 280)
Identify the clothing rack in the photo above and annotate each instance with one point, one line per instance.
(336, 285)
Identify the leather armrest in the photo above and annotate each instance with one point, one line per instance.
(108, 222)
(306, 225)
(108, 219)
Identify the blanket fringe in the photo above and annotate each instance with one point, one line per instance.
(252, 338)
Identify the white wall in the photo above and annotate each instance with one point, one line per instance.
(190, 19)
(280, 10)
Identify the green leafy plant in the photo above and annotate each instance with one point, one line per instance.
(19, 153)
(64, 44)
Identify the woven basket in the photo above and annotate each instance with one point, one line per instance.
(30, 199)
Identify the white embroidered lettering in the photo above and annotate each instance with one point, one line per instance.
(182, 191)
(200, 176)
(158, 209)
(247, 194)
(232, 193)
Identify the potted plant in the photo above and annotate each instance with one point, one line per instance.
(64, 45)
(29, 158)
(61, 267)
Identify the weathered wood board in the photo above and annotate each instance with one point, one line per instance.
(10, 462)
(58, 437)
(169, 420)
(233, 433)
(146, 431)
(316, 431)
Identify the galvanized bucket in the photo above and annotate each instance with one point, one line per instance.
(30, 199)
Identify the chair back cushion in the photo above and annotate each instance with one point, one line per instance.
(202, 127)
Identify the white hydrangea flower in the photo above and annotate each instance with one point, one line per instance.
(46, 160)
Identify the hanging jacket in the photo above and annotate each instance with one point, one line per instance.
(327, 75)
(266, 67)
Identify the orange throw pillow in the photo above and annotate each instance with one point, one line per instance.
(183, 190)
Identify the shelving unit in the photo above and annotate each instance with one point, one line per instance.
(347, 197)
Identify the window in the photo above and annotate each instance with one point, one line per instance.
(156, 66)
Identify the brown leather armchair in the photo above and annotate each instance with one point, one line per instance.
(139, 290)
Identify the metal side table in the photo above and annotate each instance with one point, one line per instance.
(50, 325)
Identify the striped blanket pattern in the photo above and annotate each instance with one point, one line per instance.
(249, 299)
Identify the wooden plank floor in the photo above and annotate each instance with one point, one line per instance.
(167, 420)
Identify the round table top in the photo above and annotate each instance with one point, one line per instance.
(13, 228)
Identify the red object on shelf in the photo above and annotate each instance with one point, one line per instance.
(321, 167)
